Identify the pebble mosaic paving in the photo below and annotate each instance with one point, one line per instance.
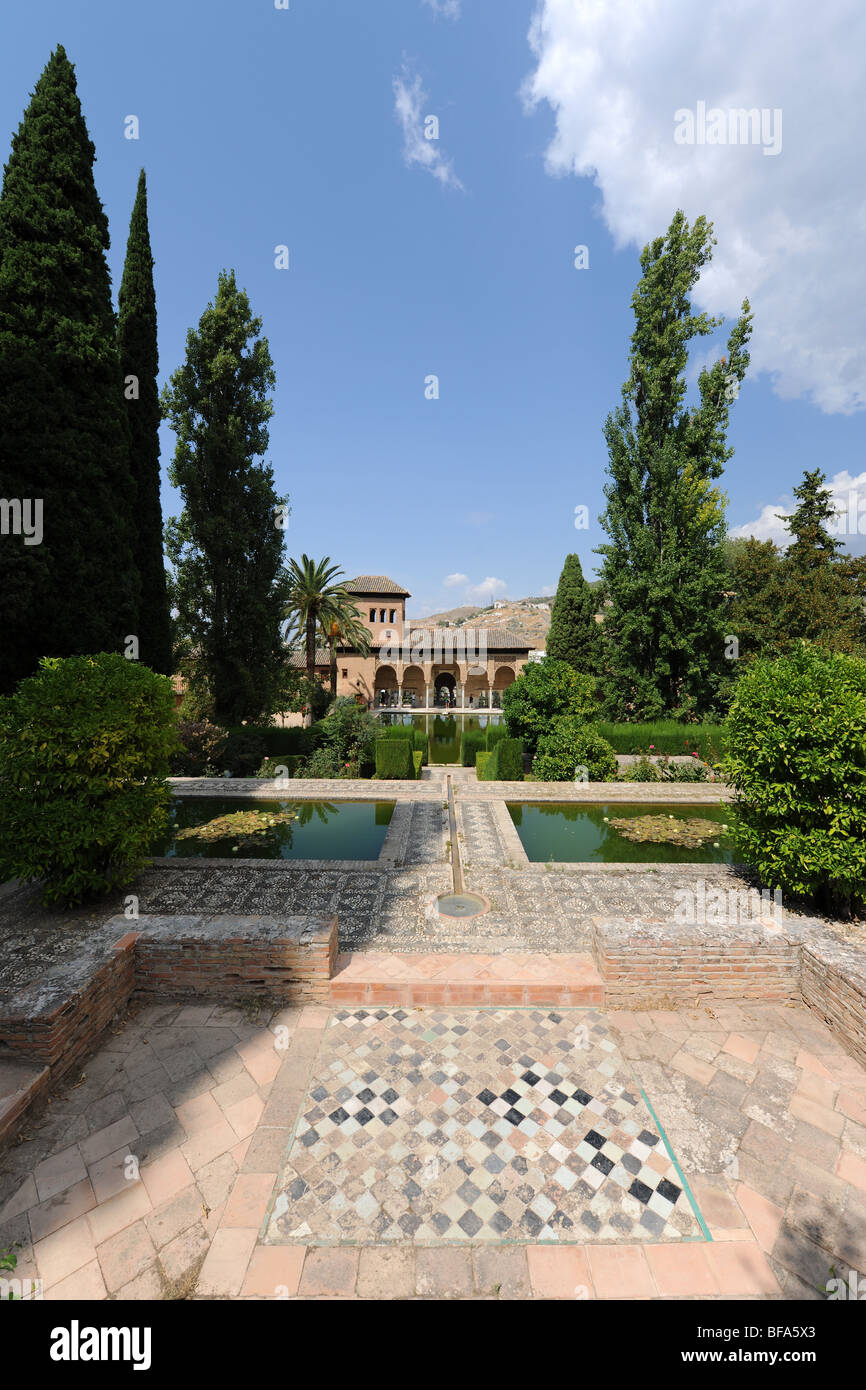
(506, 1125)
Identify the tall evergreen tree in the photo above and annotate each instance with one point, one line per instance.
(139, 363)
(574, 634)
(229, 585)
(663, 567)
(818, 600)
(64, 442)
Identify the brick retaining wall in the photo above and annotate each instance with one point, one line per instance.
(834, 986)
(645, 962)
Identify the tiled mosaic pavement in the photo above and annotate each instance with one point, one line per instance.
(514, 1125)
(763, 1108)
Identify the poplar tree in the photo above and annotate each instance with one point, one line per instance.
(229, 585)
(64, 442)
(574, 634)
(663, 568)
(139, 363)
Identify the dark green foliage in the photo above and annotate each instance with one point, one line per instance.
(666, 736)
(663, 569)
(417, 737)
(202, 746)
(417, 762)
(494, 733)
(572, 750)
(797, 758)
(139, 359)
(350, 732)
(753, 580)
(84, 754)
(574, 634)
(279, 767)
(543, 690)
(482, 758)
(394, 758)
(281, 742)
(63, 431)
(816, 600)
(244, 753)
(226, 547)
(470, 744)
(504, 763)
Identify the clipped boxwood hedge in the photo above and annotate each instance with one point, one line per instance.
(416, 737)
(84, 755)
(394, 759)
(472, 741)
(494, 733)
(667, 736)
(505, 762)
(482, 758)
(418, 761)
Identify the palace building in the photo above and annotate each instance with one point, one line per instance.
(420, 667)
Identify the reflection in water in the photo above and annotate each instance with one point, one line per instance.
(444, 731)
(312, 830)
(578, 833)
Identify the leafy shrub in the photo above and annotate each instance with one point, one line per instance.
(797, 758)
(504, 763)
(291, 762)
(542, 691)
(394, 758)
(571, 745)
(326, 762)
(84, 753)
(470, 744)
(482, 758)
(644, 770)
(350, 732)
(243, 753)
(201, 750)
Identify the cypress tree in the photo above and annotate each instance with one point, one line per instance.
(139, 364)
(64, 440)
(663, 565)
(229, 584)
(818, 601)
(574, 635)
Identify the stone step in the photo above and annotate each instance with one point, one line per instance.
(21, 1080)
(509, 978)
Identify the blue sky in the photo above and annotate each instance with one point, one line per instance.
(261, 127)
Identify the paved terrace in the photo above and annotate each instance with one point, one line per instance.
(476, 1154)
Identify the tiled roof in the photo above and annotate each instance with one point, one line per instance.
(299, 659)
(497, 638)
(375, 584)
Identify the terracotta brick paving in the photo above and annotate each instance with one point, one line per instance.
(152, 1175)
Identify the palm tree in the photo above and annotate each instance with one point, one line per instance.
(311, 590)
(342, 625)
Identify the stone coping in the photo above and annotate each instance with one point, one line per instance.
(432, 789)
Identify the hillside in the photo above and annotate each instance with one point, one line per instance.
(520, 615)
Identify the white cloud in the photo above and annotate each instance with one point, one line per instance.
(450, 9)
(487, 590)
(790, 227)
(452, 580)
(849, 500)
(410, 102)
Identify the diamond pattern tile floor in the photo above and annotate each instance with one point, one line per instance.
(508, 1125)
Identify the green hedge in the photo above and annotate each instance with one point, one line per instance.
(494, 733)
(280, 742)
(418, 760)
(394, 759)
(471, 743)
(505, 763)
(667, 736)
(482, 758)
(416, 737)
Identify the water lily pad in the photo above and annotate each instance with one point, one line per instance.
(691, 832)
(245, 827)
